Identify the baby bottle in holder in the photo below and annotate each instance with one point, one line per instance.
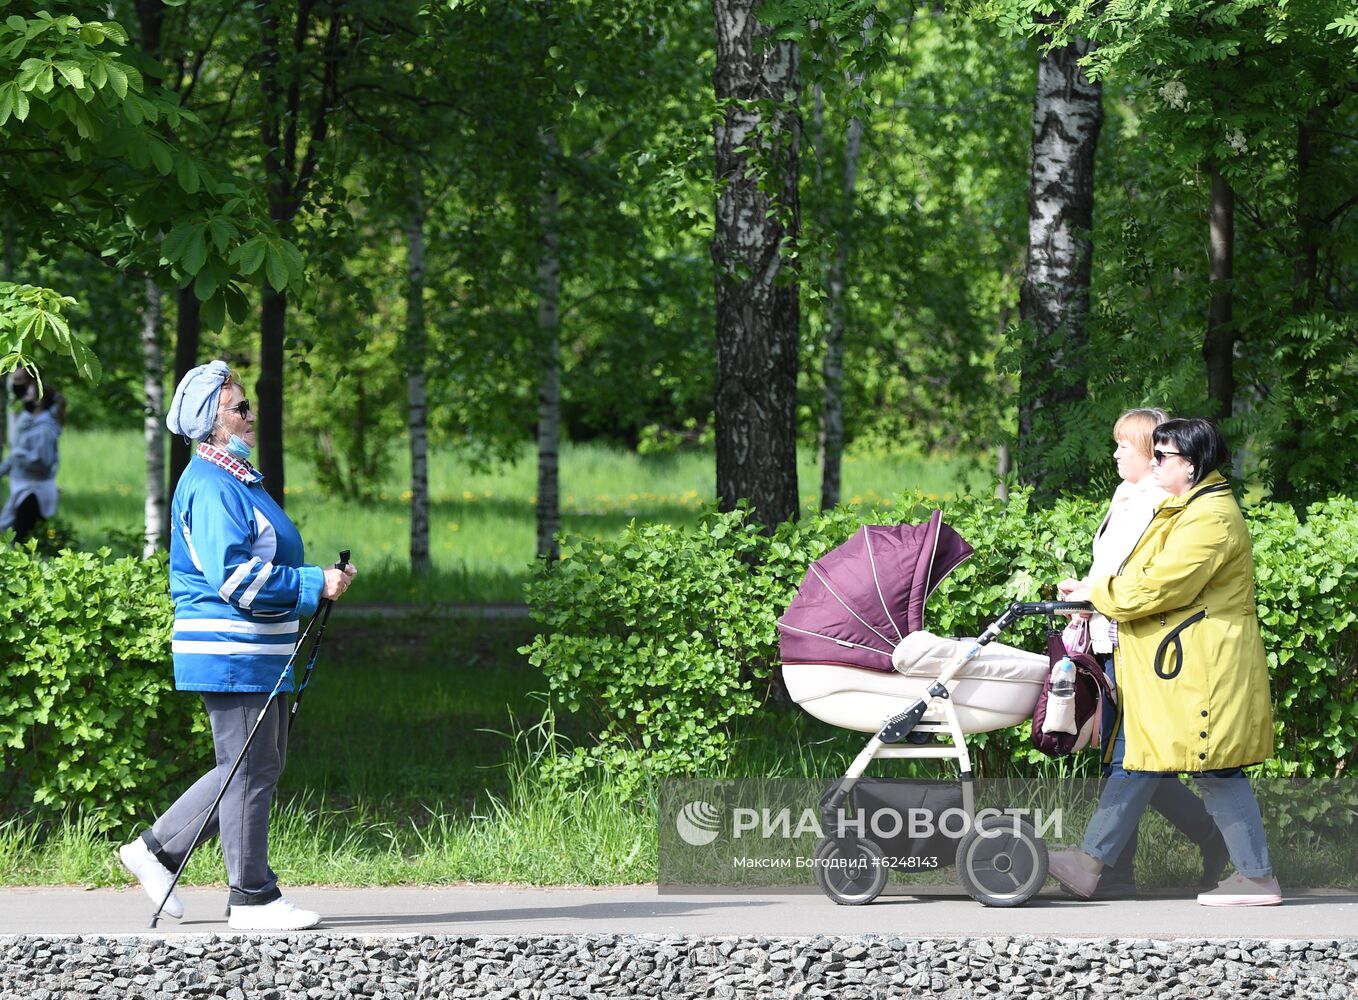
(1060, 717)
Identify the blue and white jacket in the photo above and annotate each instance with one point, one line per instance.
(237, 579)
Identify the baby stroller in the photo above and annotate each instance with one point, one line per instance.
(855, 655)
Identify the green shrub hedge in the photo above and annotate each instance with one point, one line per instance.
(89, 720)
(668, 634)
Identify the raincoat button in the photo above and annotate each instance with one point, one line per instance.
(1204, 713)
(1203, 735)
(1202, 756)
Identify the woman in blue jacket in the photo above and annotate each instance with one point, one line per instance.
(240, 587)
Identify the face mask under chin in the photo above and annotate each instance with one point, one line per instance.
(238, 447)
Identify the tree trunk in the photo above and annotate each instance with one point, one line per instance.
(1218, 346)
(836, 285)
(415, 361)
(283, 62)
(549, 346)
(153, 423)
(188, 333)
(1305, 269)
(1054, 299)
(756, 282)
(269, 392)
(1003, 465)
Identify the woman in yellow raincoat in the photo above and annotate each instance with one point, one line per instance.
(1192, 675)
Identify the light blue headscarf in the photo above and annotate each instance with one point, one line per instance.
(193, 411)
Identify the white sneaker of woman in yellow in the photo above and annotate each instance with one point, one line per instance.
(280, 915)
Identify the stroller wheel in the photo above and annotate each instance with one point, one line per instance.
(850, 871)
(1001, 861)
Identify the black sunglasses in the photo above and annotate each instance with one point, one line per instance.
(1160, 456)
(242, 409)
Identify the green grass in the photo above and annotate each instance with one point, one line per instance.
(482, 528)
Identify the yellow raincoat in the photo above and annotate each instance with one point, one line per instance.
(1191, 672)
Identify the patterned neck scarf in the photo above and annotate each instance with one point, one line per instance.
(243, 471)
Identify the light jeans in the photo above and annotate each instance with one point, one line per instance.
(1172, 799)
(1226, 793)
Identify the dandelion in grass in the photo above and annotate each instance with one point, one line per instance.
(454, 526)
(405, 497)
(468, 495)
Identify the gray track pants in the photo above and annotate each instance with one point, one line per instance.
(243, 819)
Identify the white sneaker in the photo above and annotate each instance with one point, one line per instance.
(280, 915)
(146, 868)
(1241, 891)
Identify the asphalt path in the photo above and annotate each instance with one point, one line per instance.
(513, 910)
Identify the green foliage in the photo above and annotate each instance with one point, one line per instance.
(668, 635)
(1308, 606)
(89, 722)
(97, 163)
(651, 634)
(30, 317)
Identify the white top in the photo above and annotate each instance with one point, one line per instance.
(1129, 514)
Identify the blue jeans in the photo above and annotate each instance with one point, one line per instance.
(1226, 793)
(1172, 799)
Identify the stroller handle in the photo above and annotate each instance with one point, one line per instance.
(1049, 607)
(1018, 609)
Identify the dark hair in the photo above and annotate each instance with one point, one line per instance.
(1198, 441)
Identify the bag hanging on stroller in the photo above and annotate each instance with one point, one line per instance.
(1091, 689)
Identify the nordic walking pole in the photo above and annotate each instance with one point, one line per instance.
(221, 792)
(315, 646)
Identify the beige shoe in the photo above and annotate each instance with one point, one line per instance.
(1241, 891)
(1065, 867)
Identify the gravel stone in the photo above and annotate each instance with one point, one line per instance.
(613, 967)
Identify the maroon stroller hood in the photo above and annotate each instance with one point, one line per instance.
(859, 600)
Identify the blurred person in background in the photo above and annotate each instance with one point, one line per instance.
(34, 456)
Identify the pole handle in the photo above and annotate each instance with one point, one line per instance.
(343, 559)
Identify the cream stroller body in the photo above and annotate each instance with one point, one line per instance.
(855, 654)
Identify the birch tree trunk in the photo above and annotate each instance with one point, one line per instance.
(153, 426)
(1054, 299)
(836, 285)
(188, 333)
(756, 282)
(1218, 346)
(415, 359)
(549, 360)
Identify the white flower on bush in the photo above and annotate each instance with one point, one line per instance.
(1236, 138)
(1175, 94)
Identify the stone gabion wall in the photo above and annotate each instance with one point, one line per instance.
(326, 966)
